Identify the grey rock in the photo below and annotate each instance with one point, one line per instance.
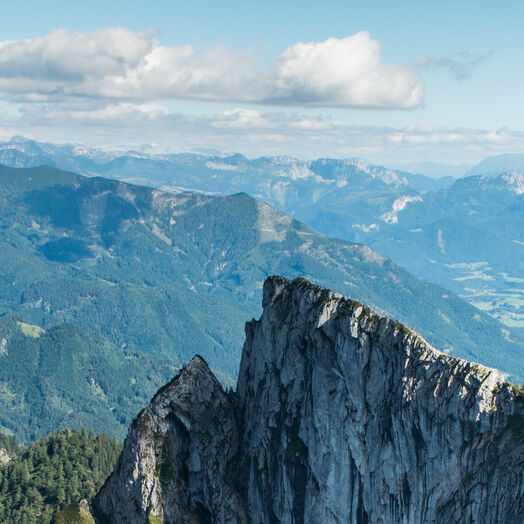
(340, 415)
(175, 457)
(4, 456)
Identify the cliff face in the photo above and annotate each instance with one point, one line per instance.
(339, 416)
(349, 417)
(174, 465)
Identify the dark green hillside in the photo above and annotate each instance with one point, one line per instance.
(179, 274)
(68, 377)
(52, 473)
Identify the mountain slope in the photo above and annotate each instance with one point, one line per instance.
(67, 377)
(350, 199)
(468, 238)
(159, 272)
(340, 415)
(498, 164)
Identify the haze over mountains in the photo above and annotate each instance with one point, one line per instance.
(464, 234)
(495, 165)
(433, 169)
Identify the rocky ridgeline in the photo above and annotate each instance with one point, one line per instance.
(339, 416)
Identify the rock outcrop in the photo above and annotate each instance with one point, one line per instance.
(175, 463)
(339, 416)
(78, 513)
(4, 456)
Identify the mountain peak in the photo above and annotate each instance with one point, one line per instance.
(196, 370)
(196, 366)
(340, 415)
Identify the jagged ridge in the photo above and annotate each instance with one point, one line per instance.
(340, 415)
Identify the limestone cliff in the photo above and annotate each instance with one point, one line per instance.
(174, 465)
(339, 416)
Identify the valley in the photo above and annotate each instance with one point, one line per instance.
(109, 288)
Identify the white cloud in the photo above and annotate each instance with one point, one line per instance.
(63, 56)
(343, 72)
(425, 134)
(114, 112)
(242, 118)
(116, 63)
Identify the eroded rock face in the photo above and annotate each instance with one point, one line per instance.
(339, 416)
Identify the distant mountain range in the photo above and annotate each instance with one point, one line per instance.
(434, 169)
(468, 237)
(489, 166)
(495, 165)
(465, 235)
(283, 180)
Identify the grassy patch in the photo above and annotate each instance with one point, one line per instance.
(74, 514)
(29, 330)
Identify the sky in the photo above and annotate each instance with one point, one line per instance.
(389, 82)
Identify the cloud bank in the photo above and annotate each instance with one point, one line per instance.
(460, 66)
(119, 64)
(109, 88)
(253, 133)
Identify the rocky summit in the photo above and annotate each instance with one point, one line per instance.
(340, 416)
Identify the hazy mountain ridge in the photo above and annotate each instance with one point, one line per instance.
(497, 164)
(434, 169)
(468, 238)
(158, 272)
(264, 177)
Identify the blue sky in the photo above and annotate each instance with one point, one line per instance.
(389, 82)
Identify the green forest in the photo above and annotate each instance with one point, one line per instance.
(68, 377)
(45, 476)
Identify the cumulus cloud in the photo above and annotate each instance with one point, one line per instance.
(63, 56)
(460, 66)
(116, 63)
(343, 72)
